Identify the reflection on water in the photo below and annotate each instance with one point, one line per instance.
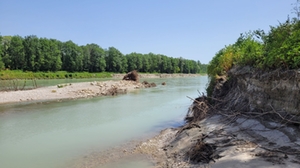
(50, 134)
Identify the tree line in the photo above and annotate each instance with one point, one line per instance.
(41, 54)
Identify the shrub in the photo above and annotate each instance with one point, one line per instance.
(280, 48)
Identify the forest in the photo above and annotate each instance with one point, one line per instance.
(31, 53)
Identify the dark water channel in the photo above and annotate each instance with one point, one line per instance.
(49, 135)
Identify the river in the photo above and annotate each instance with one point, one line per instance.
(51, 134)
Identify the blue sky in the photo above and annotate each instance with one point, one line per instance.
(192, 29)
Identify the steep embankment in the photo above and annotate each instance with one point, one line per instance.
(252, 121)
(249, 89)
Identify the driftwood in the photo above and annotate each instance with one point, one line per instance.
(198, 110)
(132, 75)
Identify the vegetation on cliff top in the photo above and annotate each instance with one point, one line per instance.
(278, 48)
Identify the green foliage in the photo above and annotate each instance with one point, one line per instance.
(94, 58)
(279, 48)
(32, 53)
(5, 43)
(282, 46)
(1, 53)
(114, 60)
(50, 54)
(18, 74)
(16, 53)
(72, 57)
(42, 55)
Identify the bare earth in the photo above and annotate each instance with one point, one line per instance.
(241, 142)
(70, 91)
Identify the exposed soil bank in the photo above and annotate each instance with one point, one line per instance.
(253, 90)
(220, 142)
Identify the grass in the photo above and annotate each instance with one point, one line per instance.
(18, 74)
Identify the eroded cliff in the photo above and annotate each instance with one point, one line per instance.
(248, 89)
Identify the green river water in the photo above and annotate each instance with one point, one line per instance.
(52, 134)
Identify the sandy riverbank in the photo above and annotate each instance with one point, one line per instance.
(70, 91)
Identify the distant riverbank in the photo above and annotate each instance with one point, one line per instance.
(18, 74)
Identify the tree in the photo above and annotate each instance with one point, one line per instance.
(154, 62)
(5, 43)
(169, 68)
(181, 64)
(175, 65)
(1, 46)
(33, 58)
(139, 62)
(51, 55)
(162, 63)
(55, 63)
(124, 67)
(71, 57)
(16, 53)
(86, 58)
(113, 60)
(146, 63)
(131, 61)
(96, 56)
(41, 54)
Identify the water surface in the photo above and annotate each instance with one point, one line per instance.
(51, 134)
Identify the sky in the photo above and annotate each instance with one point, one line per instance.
(192, 29)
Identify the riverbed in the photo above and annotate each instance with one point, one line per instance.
(52, 134)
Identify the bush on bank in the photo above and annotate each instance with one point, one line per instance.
(278, 48)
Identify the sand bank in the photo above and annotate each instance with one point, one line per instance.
(70, 91)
